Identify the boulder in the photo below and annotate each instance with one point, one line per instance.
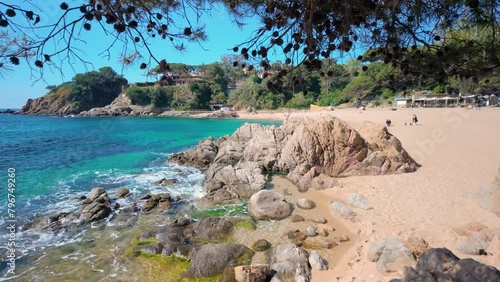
(213, 259)
(474, 245)
(441, 264)
(225, 183)
(339, 209)
(261, 245)
(210, 228)
(317, 262)
(267, 204)
(311, 231)
(94, 211)
(306, 204)
(359, 201)
(290, 263)
(161, 201)
(390, 254)
(98, 193)
(122, 193)
(96, 206)
(416, 244)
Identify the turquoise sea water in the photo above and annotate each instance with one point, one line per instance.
(57, 159)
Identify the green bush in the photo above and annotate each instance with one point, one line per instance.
(161, 97)
(299, 101)
(139, 95)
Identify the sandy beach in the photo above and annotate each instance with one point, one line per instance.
(459, 150)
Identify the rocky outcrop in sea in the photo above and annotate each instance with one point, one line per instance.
(310, 152)
(48, 105)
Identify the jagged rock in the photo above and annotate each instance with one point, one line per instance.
(268, 204)
(225, 183)
(166, 182)
(212, 259)
(47, 105)
(98, 193)
(416, 244)
(96, 206)
(261, 245)
(297, 237)
(122, 193)
(200, 156)
(253, 273)
(342, 210)
(442, 265)
(94, 211)
(162, 201)
(306, 204)
(317, 262)
(290, 263)
(390, 254)
(360, 201)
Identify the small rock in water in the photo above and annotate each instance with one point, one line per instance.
(311, 231)
(116, 206)
(176, 170)
(122, 193)
(306, 204)
(166, 182)
(145, 197)
(82, 197)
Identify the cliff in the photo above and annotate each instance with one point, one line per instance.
(54, 103)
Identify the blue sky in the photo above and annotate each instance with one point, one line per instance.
(18, 85)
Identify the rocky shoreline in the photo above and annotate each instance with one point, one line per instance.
(283, 234)
(121, 106)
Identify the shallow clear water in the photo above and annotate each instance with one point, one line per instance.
(57, 159)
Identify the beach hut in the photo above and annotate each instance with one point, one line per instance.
(401, 102)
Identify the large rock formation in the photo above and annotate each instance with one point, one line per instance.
(442, 265)
(49, 105)
(309, 151)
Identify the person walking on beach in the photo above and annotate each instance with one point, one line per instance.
(415, 119)
(388, 122)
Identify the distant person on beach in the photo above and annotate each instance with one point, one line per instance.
(414, 119)
(388, 122)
